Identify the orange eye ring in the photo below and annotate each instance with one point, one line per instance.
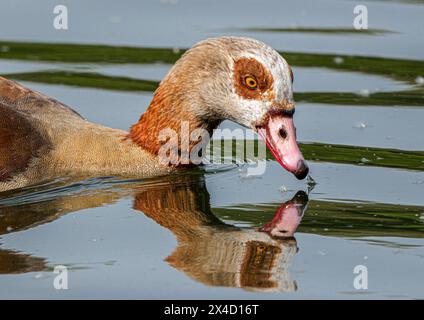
(250, 82)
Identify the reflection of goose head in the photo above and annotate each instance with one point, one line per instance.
(218, 254)
(288, 217)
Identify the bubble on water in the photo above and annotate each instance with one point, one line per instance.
(365, 258)
(109, 263)
(338, 60)
(419, 80)
(283, 189)
(365, 93)
(360, 125)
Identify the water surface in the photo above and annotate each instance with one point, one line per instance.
(212, 232)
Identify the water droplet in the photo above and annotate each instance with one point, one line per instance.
(419, 80)
(364, 93)
(338, 60)
(360, 125)
(311, 183)
(283, 189)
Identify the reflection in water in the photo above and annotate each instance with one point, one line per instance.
(208, 250)
(12, 262)
(218, 254)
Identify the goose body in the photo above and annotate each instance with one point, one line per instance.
(231, 78)
(41, 139)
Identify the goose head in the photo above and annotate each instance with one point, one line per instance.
(234, 78)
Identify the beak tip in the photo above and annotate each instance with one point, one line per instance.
(302, 170)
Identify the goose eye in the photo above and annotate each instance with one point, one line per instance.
(251, 82)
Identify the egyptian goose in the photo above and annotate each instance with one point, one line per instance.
(233, 78)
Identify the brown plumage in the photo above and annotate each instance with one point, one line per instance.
(19, 142)
(42, 139)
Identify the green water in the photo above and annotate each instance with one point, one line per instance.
(197, 234)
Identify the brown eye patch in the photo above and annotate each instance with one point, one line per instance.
(251, 79)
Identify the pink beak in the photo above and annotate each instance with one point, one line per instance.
(279, 134)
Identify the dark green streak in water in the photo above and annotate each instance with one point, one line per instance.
(398, 69)
(94, 80)
(85, 53)
(342, 154)
(375, 157)
(329, 31)
(340, 219)
(405, 70)
(413, 98)
(86, 80)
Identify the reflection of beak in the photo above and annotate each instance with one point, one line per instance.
(279, 134)
(288, 217)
